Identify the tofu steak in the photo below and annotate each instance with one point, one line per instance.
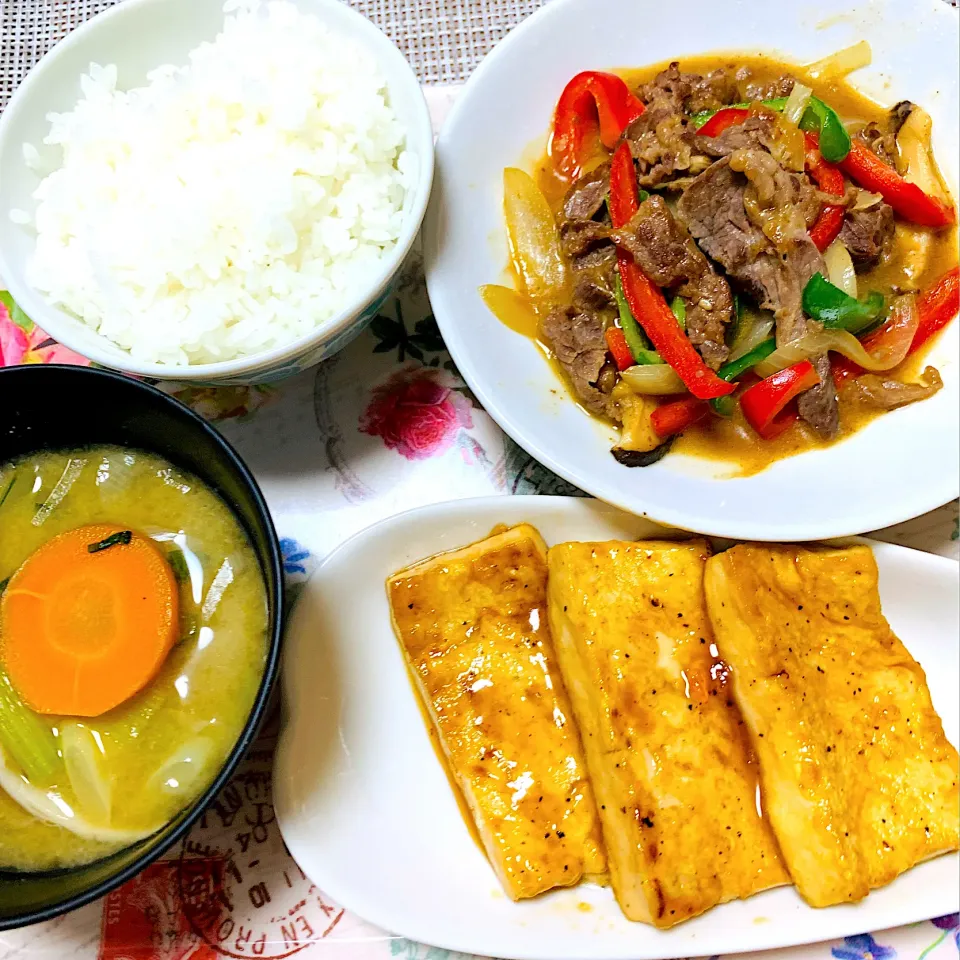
(668, 754)
(859, 780)
(473, 626)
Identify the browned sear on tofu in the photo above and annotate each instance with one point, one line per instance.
(473, 626)
(668, 754)
(859, 780)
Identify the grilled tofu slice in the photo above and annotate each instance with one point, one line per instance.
(667, 751)
(473, 625)
(859, 780)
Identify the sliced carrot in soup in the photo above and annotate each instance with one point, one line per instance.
(83, 630)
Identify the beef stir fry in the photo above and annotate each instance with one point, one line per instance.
(725, 246)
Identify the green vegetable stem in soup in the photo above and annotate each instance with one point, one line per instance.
(76, 788)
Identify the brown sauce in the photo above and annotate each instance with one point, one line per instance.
(733, 441)
(465, 812)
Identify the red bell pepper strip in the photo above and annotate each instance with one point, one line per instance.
(843, 369)
(618, 346)
(722, 119)
(828, 177)
(674, 417)
(907, 199)
(765, 400)
(937, 306)
(591, 103)
(624, 192)
(646, 300)
(782, 422)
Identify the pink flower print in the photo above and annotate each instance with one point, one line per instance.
(43, 349)
(416, 415)
(13, 341)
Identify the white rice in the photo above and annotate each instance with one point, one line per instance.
(230, 206)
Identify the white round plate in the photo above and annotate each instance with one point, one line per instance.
(901, 465)
(366, 810)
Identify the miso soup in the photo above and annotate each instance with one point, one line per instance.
(133, 638)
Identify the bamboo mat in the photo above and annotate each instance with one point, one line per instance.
(444, 40)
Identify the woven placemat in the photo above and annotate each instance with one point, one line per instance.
(444, 40)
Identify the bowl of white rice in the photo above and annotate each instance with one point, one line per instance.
(208, 192)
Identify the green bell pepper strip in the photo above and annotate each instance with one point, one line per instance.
(833, 308)
(731, 371)
(699, 119)
(737, 368)
(679, 309)
(637, 341)
(733, 331)
(834, 140)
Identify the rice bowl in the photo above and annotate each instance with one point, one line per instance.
(242, 217)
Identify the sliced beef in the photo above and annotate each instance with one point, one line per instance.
(585, 240)
(868, 233)
(714, 209)
(818, 406)
(883, 393)
(585, 198)
(767, 89)
(898, 116)
(781, 203)
(669, 84)
(578, 237)
(593, 291)
(763, 129)
(660, 245)
(594, 275)
(577, 342)
(663, 141)
(880, 140)
(665, 145)
(666, 253)
(712, 92)
(756, 131)
(777, 282)
(691, 91)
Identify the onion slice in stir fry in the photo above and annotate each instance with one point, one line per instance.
(883, 349)
(839, 64)
(656, 379)
(840, 269)
(797, 102)
(889, 345)
(753, 329)
(533, 235)
(915, 161)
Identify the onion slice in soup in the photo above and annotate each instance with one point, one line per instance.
(82, 760)
(51, 808)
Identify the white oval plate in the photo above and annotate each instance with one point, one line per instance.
(903, 464)
(366, 809)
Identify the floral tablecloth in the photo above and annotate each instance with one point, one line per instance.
(385, 426)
